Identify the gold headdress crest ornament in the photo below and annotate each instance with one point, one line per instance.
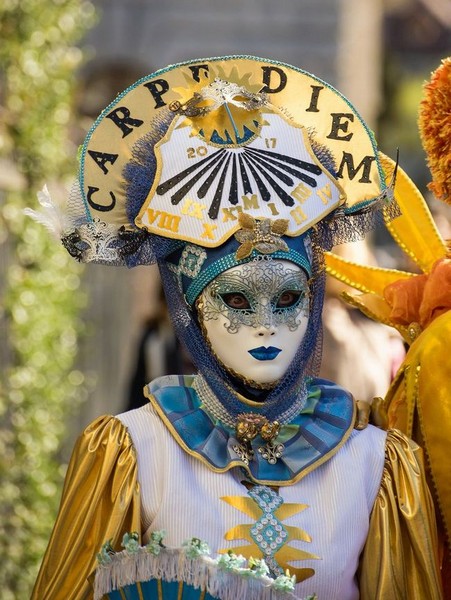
(418, 305)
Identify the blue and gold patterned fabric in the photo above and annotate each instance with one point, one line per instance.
(157, 589)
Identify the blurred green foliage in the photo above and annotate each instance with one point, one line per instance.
(40, 315)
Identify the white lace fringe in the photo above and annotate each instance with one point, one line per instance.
(174, 565)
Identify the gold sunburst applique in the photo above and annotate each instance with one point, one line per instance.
(263, 236)
(222, 106)
(268, 537)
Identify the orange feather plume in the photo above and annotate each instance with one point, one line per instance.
(434, 124)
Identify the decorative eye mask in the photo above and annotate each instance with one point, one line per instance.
(260, 293)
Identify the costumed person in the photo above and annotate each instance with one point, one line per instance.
(418, 306)
(250, 478)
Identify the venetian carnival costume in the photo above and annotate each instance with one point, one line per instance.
(235, 174)
(418, 306)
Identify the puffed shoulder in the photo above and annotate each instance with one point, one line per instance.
(400, 559)
(100, 502)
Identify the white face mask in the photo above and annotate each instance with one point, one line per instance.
(255, 316)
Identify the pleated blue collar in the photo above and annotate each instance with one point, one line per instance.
(316, 433)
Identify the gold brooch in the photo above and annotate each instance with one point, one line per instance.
(248, 427)
(263, 236)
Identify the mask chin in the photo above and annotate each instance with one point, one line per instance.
(241, 384)
(252, 390)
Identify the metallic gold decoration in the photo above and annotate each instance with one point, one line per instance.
(216, 96)
(100, 502)
(378, 415)
(275, 511)
(269, 431)
(248, 427)
(271, 452)
(363, 414)
(244, 451)
(190, 108)
(218, 104)
(414, 331)
(264, 235)
(395, 521)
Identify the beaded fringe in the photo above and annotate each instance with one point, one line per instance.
(174, 565)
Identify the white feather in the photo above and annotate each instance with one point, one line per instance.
(50, 215)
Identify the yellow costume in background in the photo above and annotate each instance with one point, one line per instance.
(418, 402)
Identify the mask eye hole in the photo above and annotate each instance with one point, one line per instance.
(288, 299)
(236, 300)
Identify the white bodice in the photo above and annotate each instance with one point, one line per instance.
(181, 495)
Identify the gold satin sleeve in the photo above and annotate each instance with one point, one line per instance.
(100, 501)
(400, 561)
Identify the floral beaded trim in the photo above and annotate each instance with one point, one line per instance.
(222, 576)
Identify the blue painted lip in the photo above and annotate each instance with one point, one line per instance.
(263, 353)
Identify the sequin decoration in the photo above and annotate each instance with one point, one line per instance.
(268, 532)
(268, 537)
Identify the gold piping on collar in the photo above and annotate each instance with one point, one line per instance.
(239, 463)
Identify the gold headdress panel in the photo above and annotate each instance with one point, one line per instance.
(418, 401)
(224, 136)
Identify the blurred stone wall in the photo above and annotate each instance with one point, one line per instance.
(155, 34)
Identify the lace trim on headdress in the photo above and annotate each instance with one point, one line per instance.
(95, 241)
(352, 224)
